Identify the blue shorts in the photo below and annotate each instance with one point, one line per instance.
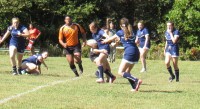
(20, 47)
(172, 50)
(141, 45)
(131, 54)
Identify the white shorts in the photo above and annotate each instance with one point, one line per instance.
(126, 61)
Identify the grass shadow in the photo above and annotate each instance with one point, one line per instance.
(195, 81)
(6, 72)
(161, 91)
(53, 75)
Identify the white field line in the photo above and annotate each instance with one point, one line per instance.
(2, 101)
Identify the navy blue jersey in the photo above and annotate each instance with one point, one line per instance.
(131, 52)
(172, 48)
(18, 42)
(33, 59)
(168, 37)
(98, 36)
(141, 37)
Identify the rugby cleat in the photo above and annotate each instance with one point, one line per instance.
(143, 70)
(100, 80)
(112, 79)
(14, 72)
(139, 82)
(171, 78)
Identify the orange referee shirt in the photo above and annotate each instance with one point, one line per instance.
(70, 34)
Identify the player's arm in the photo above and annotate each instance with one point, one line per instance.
(39, 33)
(45, 65)
(83, 34)
(147, 40)
(25, 33)
(60, 38)
(136, 40)
(174, 38)
(39, 69)
(100, 51)
(108, 40)
(5, 36)
(165, 47)
(42, 61)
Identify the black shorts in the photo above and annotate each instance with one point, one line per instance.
(72, 49)
(93, 56)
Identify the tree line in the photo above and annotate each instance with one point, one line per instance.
(48, 15)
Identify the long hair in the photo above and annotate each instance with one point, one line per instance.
(126, 27)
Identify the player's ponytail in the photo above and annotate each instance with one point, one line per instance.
(126, 27)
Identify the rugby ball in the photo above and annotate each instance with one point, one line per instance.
(92, 43)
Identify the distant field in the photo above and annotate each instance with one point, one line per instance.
(57, 88)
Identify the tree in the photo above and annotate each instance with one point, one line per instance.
(185, 14)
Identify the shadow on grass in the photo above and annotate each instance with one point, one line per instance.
(129, 83)
(195, 81)
(53, 75)
(6, 72)
(161, 91)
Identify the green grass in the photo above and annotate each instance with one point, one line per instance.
(57, 88)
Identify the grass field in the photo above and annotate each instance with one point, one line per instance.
(57, 88)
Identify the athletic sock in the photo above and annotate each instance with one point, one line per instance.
(109, 73)
(170, 72)
(80, 66)
(132, 83)
(177, 75)
(73, 67)
(100, 68)
(19, 70)
(14, 68)
(132, 80)
(97, 74)
(129, 76)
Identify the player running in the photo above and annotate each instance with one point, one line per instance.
(172, 50)
(131, 53)
(17, 43)
(68, 38)
(142, 37)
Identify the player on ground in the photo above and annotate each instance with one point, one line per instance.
(32, 64)
(131, 52)
(172, 50)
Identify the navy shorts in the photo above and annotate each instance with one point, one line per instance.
(131, 54)
(93, 56)
(172, 50)
(20, 48)
(141, 45)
